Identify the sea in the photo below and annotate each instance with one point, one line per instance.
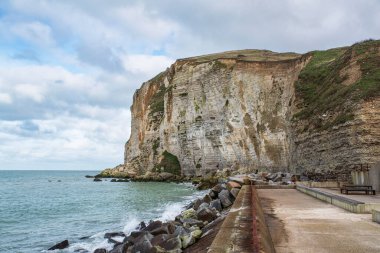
(41, 208)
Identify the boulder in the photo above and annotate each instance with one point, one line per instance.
(158, 239)
(196, 233)
(203, 205)
(142, 245)
(189, 214)
(62, 245)
(217, 188)
(187, 240)
(207, 198)
(120, 248)
(212, 194)
(225, 198)
(206, 214)
(160, 230)
(97, 180)
(232, 184)
(239, 180)
(137, 236)
(172, 244)
(197, 203)
(234, 192)
(216, 204)
(193, 222)
(88, 176)
(153, 225)
(166, 176)
(100, 251)
(113, 180)
(113, 234)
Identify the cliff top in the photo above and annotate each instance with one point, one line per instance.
(245, 55)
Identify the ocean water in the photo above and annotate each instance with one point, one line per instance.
(41, 208)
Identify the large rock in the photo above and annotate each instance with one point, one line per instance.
(206, 214)
(143, 244)
(153, 225)
(203, 205)
(193, 222)
(207, 198)
(216, 204)
(197, 203)
(101, 251)
(172, 244)
(62, 245)
(113, 234)
(225, 198)
(120, 248)
(232, 184)
(189, 214)
(234, 192)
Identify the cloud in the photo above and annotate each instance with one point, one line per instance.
(5, 98)
(68, 69)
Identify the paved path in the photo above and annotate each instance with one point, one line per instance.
(299, 223)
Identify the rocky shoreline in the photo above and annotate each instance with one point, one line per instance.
(199, 220)
(197, 224)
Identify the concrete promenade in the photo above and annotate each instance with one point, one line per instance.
(300, 223)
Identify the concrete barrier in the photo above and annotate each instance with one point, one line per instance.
(376, 215)
(244, 229)
(326, 184)
(342, 202)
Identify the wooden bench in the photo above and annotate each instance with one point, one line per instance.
(357, 188)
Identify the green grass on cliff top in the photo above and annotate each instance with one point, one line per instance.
(321, 87)
(245, 55)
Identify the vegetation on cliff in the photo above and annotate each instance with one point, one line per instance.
(169, 163)
(330, 83)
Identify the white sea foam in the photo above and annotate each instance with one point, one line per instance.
(171, 211)
(132, 223)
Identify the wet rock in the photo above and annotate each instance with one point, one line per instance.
(143, 245)
(217, 188)
(62, 245)
(212, 194)
(153, 225)
(203, 205)
(120, 248)
(113, 234)
(197, 203)
(158, 239)
(225, 198)
(216, 204)
(234, 192)
(97, 180)
(160, 230)
(100, 251)
(137, 236)
(166, 176)
(206, 214)
(172, 244)
(88, 176)
(113, 180)
(207, 198)
(141, 226)
(189, 214)
(193, 222)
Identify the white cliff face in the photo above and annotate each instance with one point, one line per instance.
(217, 114)
(238, 111)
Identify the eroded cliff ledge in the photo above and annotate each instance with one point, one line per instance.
(253, 109)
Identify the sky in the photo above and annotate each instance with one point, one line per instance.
(69, 68)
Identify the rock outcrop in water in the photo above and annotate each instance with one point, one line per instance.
(247, 110)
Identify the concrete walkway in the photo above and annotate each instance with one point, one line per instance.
(300, 223)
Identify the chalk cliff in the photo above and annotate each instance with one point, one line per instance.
(253, 109)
